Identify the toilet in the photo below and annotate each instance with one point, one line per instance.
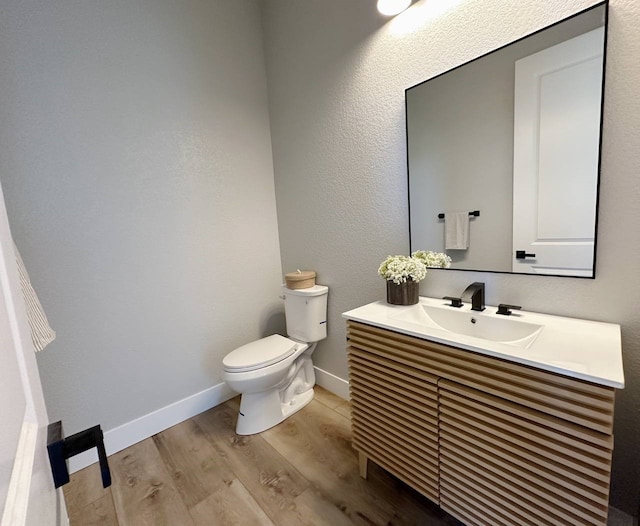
(275, 374)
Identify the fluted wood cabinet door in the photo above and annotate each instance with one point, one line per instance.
(395, 418)
(502, 464)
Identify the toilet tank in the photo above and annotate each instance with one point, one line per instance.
(305, 311)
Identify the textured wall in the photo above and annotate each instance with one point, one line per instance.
(337, 74)
(136, 164)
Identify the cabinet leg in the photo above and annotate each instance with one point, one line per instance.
(362, 464)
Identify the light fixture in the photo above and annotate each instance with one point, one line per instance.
(392, 7)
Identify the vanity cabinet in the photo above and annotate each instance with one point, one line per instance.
(491, 441)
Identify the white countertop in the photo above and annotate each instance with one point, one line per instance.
(588, 350)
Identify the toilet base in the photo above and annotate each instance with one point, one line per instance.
(261, 411)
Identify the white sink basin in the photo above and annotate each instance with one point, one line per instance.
(588, 350)
(503, 329)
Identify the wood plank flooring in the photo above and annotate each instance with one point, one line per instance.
(301, 472)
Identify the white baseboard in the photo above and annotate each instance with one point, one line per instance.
(332, 383)
(126, 435)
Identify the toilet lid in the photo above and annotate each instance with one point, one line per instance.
(259, 353)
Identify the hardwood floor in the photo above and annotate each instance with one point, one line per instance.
(301, 472)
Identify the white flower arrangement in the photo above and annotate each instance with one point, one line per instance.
(401, 269)
(432, 259)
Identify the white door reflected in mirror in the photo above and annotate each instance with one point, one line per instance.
(555, 156)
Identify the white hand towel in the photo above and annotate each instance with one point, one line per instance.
(456, 230)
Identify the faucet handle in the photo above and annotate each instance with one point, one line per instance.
(455, 302)
(505, 309)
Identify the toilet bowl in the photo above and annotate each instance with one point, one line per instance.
(275, 374)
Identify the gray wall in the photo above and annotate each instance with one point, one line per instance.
(337, 75)
(135, 157)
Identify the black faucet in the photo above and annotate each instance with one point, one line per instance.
(475, 291)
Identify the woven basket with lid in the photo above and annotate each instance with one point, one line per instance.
(301, 279)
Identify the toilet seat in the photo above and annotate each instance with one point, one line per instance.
(259, 354)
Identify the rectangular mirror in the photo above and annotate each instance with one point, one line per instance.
(512, 140)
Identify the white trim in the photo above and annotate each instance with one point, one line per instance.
(17, 503)
(332, 383)
(126, 435)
